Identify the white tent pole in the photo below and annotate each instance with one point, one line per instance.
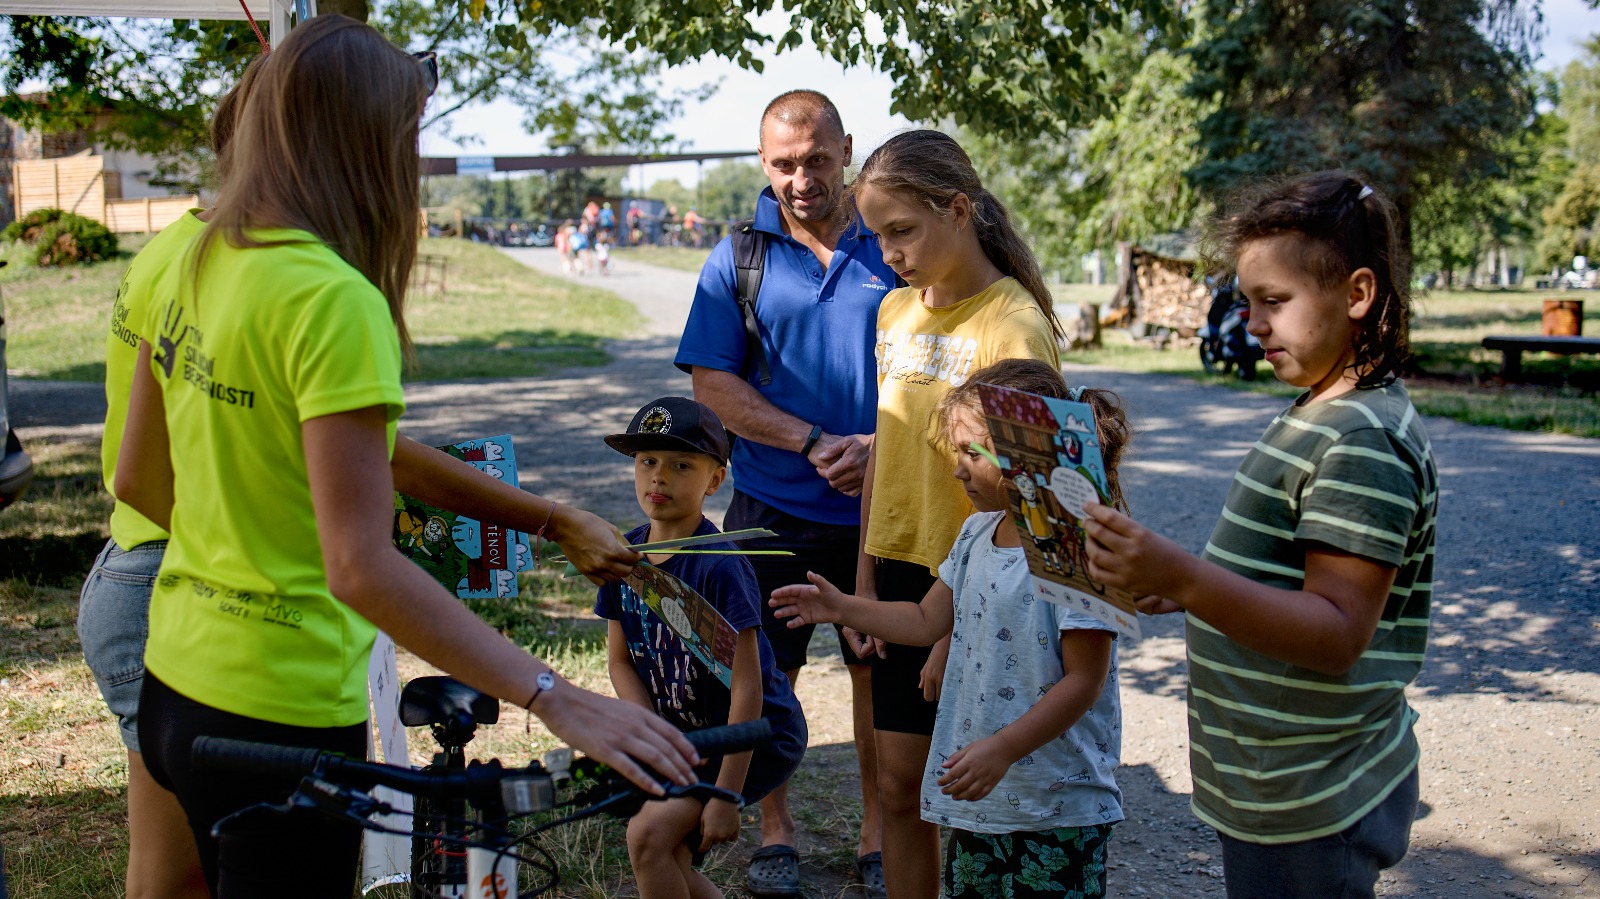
(280, 20)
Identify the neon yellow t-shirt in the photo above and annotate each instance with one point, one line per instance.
(917, 504)
(241, 618)
(128, 527)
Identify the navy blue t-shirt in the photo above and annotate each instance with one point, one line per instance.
(685, 693)
(818, 328)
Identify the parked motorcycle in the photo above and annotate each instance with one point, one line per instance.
(1225, 345)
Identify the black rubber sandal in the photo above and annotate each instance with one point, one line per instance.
(869, 868)
(774, 871)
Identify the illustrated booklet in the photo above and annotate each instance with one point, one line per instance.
(470, 558)
(687, 614)
(1049, 452)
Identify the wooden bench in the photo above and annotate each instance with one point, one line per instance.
(1512, 349)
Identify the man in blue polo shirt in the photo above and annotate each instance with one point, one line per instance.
(803, 439)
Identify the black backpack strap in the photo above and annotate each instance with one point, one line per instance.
(749, 258)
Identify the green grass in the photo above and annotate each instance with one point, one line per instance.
(51, 535)
(684, 259)
(493, 318)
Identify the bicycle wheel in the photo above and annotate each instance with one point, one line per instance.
(1209, 360)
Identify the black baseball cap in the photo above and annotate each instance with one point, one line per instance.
(674, 423)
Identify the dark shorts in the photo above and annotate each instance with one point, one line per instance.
(262, 854)
(828, 549)
(1344, 865)
(1066, 861)
(897, 703)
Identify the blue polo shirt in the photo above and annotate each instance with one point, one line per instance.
(818, 327)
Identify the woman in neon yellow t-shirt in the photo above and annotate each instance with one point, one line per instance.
(976, 296)
(260, 434)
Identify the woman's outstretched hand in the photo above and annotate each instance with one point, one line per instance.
(593, 545)
(617, 733)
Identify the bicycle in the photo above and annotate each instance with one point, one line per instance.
(470, 827)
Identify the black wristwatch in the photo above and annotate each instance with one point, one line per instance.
(811, 440)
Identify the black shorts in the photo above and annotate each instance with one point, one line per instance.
(828, 549)
(897, 703)
(302, 853)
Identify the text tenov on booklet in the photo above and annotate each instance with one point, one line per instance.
(1049, 451)
(470, 558)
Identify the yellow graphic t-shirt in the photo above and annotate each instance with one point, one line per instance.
(241, 618)
(917, 504)
(128, 527)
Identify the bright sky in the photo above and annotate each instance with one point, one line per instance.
(728, 120)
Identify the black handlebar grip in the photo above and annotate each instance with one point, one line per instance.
(221, 754)
(730, 738)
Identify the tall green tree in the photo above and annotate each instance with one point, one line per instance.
(1119, 178)
(1404, 91)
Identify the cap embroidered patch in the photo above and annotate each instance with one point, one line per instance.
(656, 421)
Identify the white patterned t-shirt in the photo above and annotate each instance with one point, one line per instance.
(1005, 653)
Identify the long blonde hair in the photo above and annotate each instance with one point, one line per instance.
(326, 142)
(931, 168)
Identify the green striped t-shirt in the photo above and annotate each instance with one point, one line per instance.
(1280, 753)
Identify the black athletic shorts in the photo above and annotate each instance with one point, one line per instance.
(828, 549)
(260, 854)
(897, 703)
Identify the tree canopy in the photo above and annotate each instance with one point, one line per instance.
(151, 85)
(1411, 93)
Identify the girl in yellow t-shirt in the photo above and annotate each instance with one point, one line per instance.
(260, 434)
(976, 296)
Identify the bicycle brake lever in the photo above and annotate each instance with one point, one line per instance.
(705, 792)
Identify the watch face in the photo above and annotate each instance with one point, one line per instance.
(546, 680)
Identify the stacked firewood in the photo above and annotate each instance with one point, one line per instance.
(1168, 295)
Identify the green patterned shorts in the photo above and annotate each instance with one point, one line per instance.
(1064, 863)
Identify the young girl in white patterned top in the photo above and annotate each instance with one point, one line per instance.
(1029, 725)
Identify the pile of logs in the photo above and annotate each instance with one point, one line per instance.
(1160, 292)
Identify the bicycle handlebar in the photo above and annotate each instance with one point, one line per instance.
(478, 780)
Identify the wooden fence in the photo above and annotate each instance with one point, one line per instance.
(80, 184)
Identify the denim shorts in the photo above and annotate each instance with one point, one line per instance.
(113, 623)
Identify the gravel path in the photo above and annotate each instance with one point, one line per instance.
(1510, 697)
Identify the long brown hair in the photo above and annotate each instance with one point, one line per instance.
(1340, 224)
(931, 167)
(1033, 376)
(326, 142)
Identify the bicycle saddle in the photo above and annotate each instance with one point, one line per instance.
(444, 700)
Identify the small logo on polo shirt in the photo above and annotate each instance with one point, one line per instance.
(875, 283)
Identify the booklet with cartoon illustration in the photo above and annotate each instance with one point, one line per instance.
(687, 614)
(470, 558)
(1050, 452)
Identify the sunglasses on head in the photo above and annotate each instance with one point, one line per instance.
(429, 61)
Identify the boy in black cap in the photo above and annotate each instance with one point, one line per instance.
(680, 454)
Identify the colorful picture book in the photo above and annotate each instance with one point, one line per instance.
(470, 558)
(1049, 451)
(687, 614)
